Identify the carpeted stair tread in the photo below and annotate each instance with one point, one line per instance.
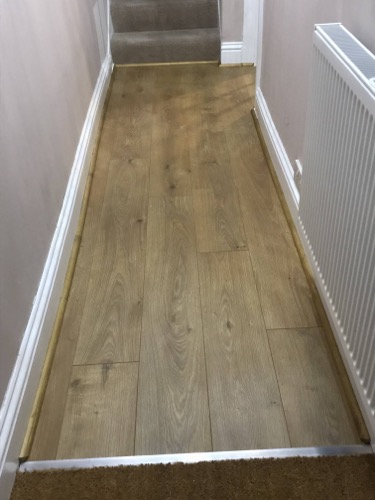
(166, 46)
(162, 15)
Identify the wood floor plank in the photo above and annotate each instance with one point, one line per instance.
(172, 412)
(111, 323)
(284, 292)
(99, 419)
(245, 404)
(227, 97)
(260, 204)
(283, 289)
(314, 408)
(218, 219)
(219, 224)
(50, 421)
(176, 128)
(172, 139)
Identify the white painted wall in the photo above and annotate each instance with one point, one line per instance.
(232, 14)
(51, 55)
(286, 52)
(49, 60)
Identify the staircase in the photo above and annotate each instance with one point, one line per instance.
(161, 31)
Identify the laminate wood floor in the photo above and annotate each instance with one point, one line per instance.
(190, 325)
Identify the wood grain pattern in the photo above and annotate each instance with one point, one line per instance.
(227, 97)
(245, 404)
(219, 225)
(315, 412)
(171, 142)
(260, 204)
(172, 414)
(100, 411)
(111, 323)
(283, 289)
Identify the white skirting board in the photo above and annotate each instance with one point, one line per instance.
(285, 174)
(17, 405)
(280, 159)
(231, 53)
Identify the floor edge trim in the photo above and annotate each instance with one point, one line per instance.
(189, 458)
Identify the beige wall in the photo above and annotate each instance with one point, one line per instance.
(49, 64)
(231, 12)
(286, 49)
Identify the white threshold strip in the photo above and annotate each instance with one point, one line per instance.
(192, 458)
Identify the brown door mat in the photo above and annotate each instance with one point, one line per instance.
(350, 477)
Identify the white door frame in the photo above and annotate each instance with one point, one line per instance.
(259, 43)
(250, 31)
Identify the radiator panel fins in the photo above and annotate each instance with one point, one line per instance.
(337, 205)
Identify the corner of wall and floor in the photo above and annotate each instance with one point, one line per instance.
(23, 383)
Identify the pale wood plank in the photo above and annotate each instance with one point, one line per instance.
(172, 412)
(245, 404)
(315, 411)
(218, 219)
(111, 323)
(99, 419)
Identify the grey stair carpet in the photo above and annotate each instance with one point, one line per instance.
(166, 46)
(153, 31)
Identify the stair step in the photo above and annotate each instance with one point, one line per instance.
(166, 46)
(163, 15)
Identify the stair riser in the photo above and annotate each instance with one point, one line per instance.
(162, 16)
(179, 49)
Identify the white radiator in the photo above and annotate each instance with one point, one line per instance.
(337, 204)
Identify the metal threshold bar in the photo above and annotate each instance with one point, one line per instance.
(189, 458)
